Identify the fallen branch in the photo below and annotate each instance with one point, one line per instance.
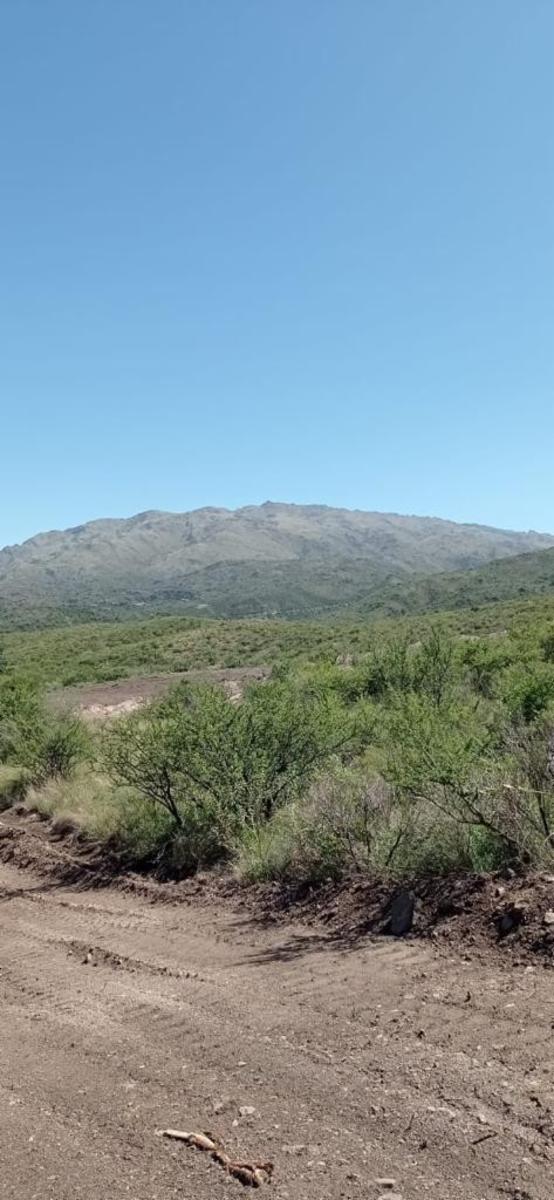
(251, 1174)
(484, 1138)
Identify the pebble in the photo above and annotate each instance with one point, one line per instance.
(385, 1183)
(247, 1110)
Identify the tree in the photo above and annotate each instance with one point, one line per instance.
(433, 668)
(209, 762)
(443, 757)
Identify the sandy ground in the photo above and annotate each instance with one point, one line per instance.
(394, 1060)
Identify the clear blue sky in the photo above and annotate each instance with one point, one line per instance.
(286, 249)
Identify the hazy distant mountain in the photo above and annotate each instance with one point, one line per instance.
(276, 558)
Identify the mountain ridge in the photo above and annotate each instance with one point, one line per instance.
(270, 559)
(266, 505)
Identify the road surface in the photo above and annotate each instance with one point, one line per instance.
(346, 1067)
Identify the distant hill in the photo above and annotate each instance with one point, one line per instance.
(509, 579)
(275, 559)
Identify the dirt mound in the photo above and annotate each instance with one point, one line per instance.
(513, 914)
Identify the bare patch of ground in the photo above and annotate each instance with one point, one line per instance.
(95, 701)
(348, 1063)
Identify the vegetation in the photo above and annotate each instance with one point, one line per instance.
(37, 743)
(410, 746)
(507, 579)
(292, 561)
(112, 650)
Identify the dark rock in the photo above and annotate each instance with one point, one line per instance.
(401, 913)
(509, 919)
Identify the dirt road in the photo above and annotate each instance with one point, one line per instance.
(120, 1017)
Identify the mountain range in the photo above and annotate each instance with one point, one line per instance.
(268, 560)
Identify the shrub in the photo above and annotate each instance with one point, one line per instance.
(344, 820)
(529, 690)
(547, 646)
(433, 667)
(270, 851)
(13, 785)
(21, 715)
(45, 745)
(215, 767)
(485, 661)
(529, 786)
(442, 759)
(56, 749)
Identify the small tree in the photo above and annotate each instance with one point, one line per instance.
(485, 660)
(443, 757)
(530, 792)
(44, 744)
(212, 764)
(21, 716)
(433, 668)
(283, 736)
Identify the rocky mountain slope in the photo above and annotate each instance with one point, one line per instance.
(275, 558)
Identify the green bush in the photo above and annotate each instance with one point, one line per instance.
(270, 851)
(217, 768)
(390, 751)
(13, 785)
(21, 715)
(528, 690)
(44, 744)
(58, 746)
(485, 661)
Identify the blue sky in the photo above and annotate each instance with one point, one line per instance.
(286, 249)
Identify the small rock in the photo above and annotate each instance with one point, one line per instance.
(511, 918)
(401, 913)
(247, 1110)
(385, 1183)
(390, 1196)
(548, 918)
(294, 1148)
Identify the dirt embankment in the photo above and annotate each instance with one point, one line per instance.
(349, 1063)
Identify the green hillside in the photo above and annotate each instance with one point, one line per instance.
(520, 576)
(110, 650)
